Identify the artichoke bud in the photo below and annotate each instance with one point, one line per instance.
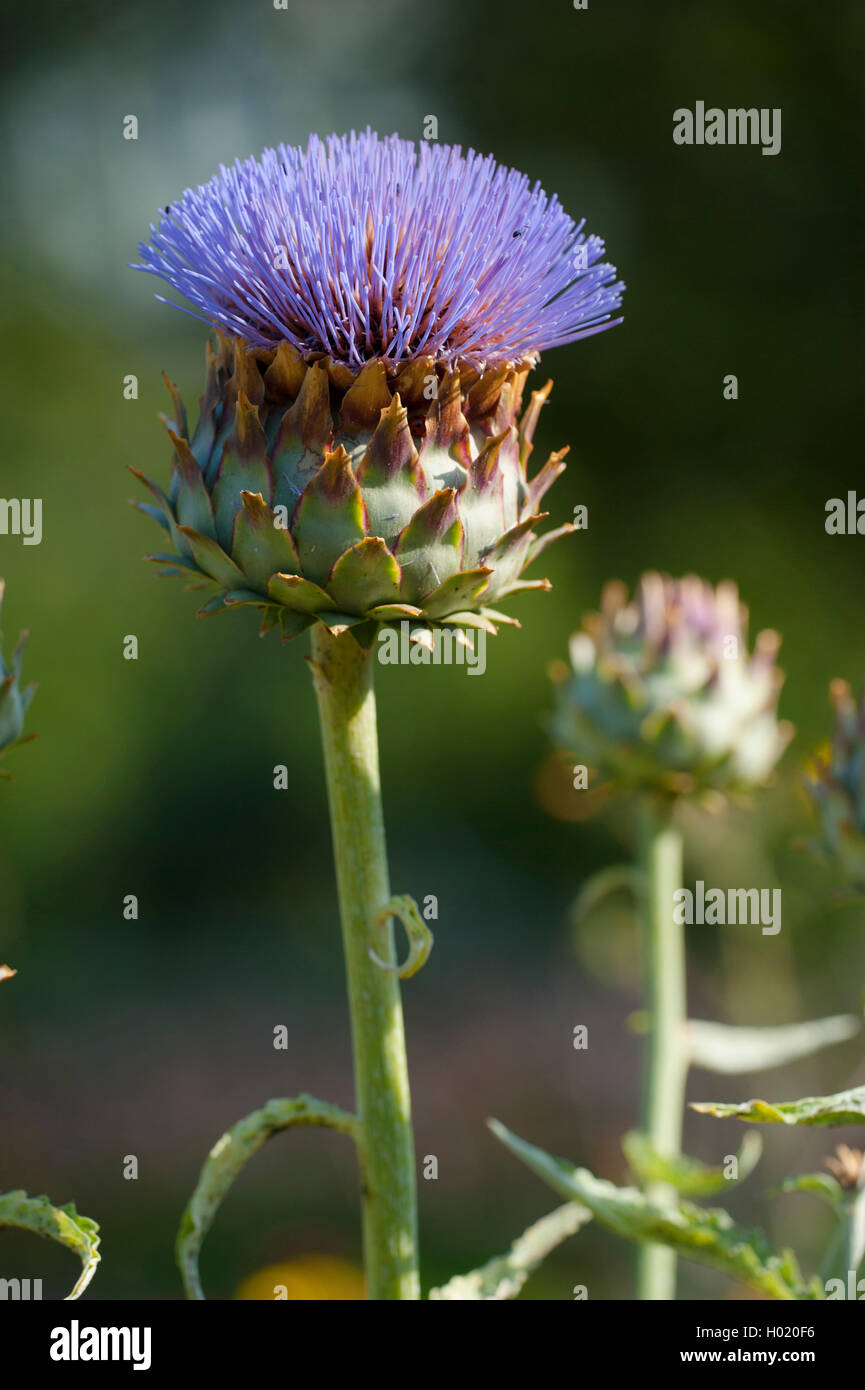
(662, 693)
(14, 702)
(354, 498)
(835, 782)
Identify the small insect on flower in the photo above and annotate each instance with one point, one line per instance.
(361, 452)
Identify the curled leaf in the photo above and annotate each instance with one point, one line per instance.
(729, 1050)
(62, 1224)
(618, 878)
(706, 1236)
(688, 1175)
(420, 938)
(225, 1161)
(504, 1275)
(845, 1108)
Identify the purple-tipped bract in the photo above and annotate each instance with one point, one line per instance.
(362, 248)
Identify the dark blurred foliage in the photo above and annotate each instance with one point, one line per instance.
(155, 777)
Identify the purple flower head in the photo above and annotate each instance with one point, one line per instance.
(364, 248)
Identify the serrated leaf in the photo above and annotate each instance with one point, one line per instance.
(731, 1050)
(845, 1108)
(503, 1276)
(706, 1236)
(62, 1224)
(688, 1175)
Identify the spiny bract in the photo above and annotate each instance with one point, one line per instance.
(835, 781)
(14, 702)
(318, 494)
(664, 693)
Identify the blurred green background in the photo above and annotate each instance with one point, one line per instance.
(155, 777)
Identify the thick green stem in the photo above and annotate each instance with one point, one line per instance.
(343, 677)
(666, 1069)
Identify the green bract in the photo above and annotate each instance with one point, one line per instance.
(835, 780)
(14, 702)
(354, 499)
(664, 693)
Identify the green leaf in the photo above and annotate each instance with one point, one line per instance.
(821, 1184)
(63, 1224)
(688, 1175)
(230, 1155)
(729, 1050)
(706, 1236)
(504, 1275)
(845, 1108)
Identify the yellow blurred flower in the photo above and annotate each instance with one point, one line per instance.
(316, 1278)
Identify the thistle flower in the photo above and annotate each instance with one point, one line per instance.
(359, 456)
(664, 693)
(835, 782)
(14, 702)
(364, 249)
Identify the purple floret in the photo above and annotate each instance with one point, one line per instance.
(362, 248)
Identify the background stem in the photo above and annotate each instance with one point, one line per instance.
(854, 1234)
(666, 1068)
(343, 678)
